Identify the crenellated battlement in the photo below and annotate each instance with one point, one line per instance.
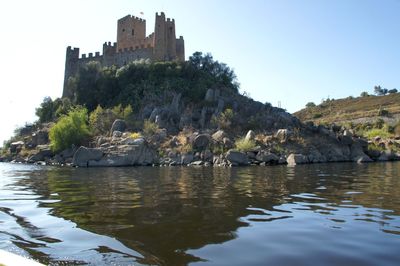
(132, 44)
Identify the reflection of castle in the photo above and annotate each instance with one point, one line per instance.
(132, 44)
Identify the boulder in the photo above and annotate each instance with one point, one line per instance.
(282, 135)
(237, 158)
(118, 125)
(131, 141)
(40, 137)
(357, 154)
(346, 140)
(116, 134)
(15, 147)
(219, 136)
(41, 155)
(68, 153)
(126, 155)
(294, 159)
(250, 135)
(206, 156)
(227, 143)
(186, 158)
(201, 141)
(316, 157)
(267, 157)
(83, 155)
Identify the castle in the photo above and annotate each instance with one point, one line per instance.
(132, 44)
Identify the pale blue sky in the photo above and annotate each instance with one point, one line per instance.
(292, 51)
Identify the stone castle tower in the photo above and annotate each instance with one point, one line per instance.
(132, 44)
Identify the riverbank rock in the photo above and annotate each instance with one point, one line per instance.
(126, 155)
(250, 135)
(15, 147)
(294, 159)
(268, 158)
(118, 125)
(44, 153)
(83, 155)
(201, 141)
(237, 158)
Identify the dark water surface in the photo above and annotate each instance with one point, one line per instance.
(325, 214)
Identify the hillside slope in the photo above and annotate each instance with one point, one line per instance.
(356, 110)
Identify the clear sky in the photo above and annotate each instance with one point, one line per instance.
(288, 51)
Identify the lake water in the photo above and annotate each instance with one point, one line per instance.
(322, 214)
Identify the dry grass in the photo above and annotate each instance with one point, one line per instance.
(350, 108)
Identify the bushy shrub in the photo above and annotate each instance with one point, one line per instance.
(383, 133)
(245, 145)
(70, 129)
(224, 119)
(149, 128)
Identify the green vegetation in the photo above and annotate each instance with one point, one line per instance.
(70, 129)
(383, 133)
(129, 85)
(100, 120)
(50, 110)
(149, 128)
(224, 119)
(245, 145)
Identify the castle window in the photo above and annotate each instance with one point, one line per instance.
(133, 32)
(123, 30)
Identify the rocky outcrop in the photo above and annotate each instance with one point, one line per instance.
(118, 125)
(128, 152)
(201, 141)
(83, 155)
(15, 147)
(236, 158)
(44, 153)
(294, 159)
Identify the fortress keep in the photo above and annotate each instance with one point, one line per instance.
(132, 44)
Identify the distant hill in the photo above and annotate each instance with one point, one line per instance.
(356, 110)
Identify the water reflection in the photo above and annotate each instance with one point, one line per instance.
(175, 216)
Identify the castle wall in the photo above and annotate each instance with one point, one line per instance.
(132, 44)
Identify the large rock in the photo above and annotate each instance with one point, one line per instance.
(15, 147)
(201, 141)
(282, 134)
(250, 135)
(126, 155)
(83, 155)
(237, 157)
(118, 125)
(187, 158)
(269, 158)
(294, 159)
(357, 154)
(219, 136)
(41, 155)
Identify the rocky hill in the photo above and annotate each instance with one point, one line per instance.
(355, 110)
(170, 114)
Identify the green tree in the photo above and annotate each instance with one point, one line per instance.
(46, 110)
(364, 94)
(70, 129)
(310, 105)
